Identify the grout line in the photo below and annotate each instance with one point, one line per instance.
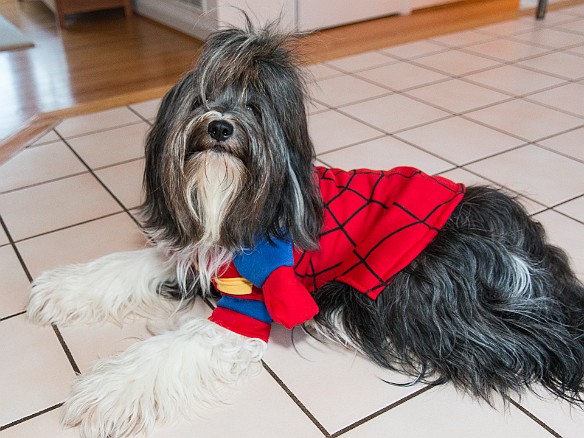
(534, 418)
(98, 131)
(6, 318)
(40, 183)
(12, 243)
(296, 400)
(66, 349)
(24, 239)
(139, 115)
(30, 417)
(381, 411)
(63, 177)
(105, 187)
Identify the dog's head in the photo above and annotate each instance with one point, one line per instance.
(229, 156)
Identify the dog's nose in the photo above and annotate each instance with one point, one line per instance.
(220, 130)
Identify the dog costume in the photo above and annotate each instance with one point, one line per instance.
(375, 224)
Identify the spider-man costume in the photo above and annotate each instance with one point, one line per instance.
(375, 224)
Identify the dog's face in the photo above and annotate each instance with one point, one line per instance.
(229, 157)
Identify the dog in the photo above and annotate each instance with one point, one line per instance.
(441, 282)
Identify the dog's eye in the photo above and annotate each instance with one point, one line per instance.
(252, 108)
(197, 103)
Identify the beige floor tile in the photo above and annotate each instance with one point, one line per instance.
(125, 181)
(342, 90)
(401, 76)
(336, 386)
(552, 38)
(82, 243)
(576, 26)
(457, 96)
(55, 205)
(541, 180)
(569, 98)
(414, 49)
(14, 284)
(567, 234)
(317, 72)
(147, 109)
(362, 61)
(514, 80)
(524, 119)
(455, 62)
(331, 130)
(3, 238)
(385, 153)
(464, 38)
(442, 413)
(459, 140)
(559, 415)
(34, 372)
(569, 144)
(96, 122)
(395, 112)
(45, 425)
(574, 209)
(468, 178)
(47, 137)
(564, 65)
(113, 146)
(39, 164)
(576, 50)
(506, 50)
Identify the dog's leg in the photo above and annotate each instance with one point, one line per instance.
(111, 287)
(155, 380)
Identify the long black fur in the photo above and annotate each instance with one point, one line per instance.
(489, 305)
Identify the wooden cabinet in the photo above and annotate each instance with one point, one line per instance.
(61, 8)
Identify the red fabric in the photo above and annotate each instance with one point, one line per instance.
(375, 224)
(286, 298)
(241, 324)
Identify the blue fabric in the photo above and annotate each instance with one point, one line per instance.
(252, 308)
(257, 264)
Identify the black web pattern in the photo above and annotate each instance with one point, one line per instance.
(339, 222)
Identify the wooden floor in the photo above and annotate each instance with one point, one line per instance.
(103, 60)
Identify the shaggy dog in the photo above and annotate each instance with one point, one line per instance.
(418, 273)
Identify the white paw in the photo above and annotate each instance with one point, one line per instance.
(54, 297)
(160, 379)
(114, 400)
(112, 287)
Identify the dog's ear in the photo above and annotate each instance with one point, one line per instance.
(284, 85)
(155, 212)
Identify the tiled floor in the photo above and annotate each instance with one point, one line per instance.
(502, 104)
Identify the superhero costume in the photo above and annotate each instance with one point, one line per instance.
(375, 224)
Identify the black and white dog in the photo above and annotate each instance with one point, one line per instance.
(485, 303)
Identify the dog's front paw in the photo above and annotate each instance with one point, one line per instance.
(160, 379)
(54, 297)
(112, 401)
(111, 287)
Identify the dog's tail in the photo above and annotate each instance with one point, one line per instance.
(490, 306)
